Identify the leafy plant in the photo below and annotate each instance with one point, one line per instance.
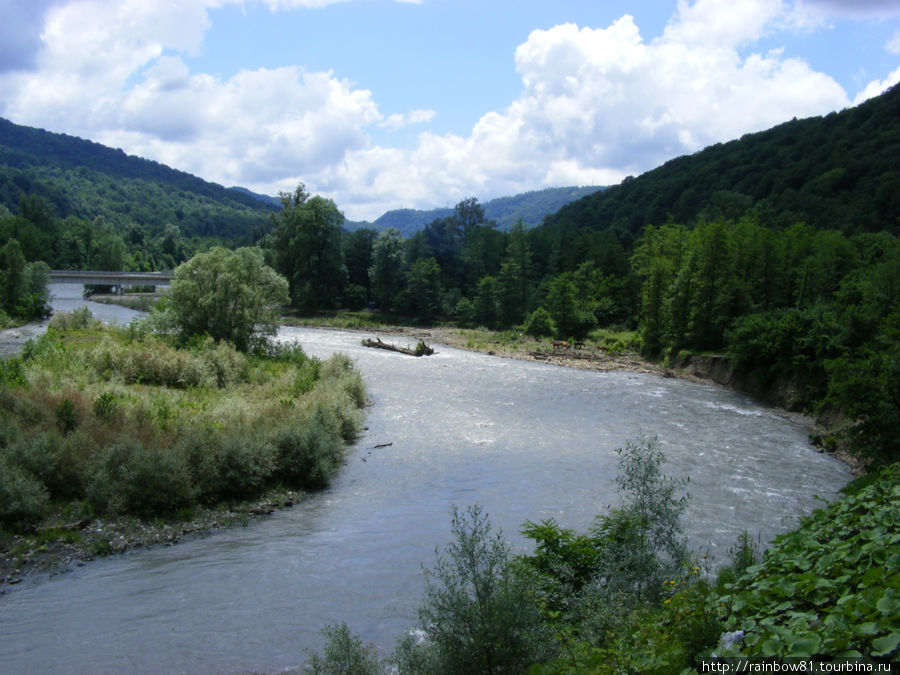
(479, 613)
(344, 654)
(830, 588)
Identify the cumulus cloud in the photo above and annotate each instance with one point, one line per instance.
(599, 104)
(20, 33)
(877, 87)
(399, 120)
(893, 45)
(856, 8)
(596, 105)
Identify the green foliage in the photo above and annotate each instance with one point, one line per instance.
(479, 613)
(141, 428)
(309, 455)
(66, 415)
(228, 295)
(828, 589)
(388, 267)
(128, 477)
(53, 181)
(307, 249)
(344, 654)
(22, 497)
(540, 324)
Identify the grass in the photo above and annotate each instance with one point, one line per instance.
(133, 425)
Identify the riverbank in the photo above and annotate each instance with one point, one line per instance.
(59, 546)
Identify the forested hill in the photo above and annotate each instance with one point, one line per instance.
(530, 207)
(840, 171)
(85, 180)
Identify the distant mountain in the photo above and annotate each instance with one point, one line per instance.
(265, 199)
(87, 180)
(840, 171)
(530, 207)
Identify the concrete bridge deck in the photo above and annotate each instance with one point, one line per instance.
(117, 279)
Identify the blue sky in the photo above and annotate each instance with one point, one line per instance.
(381, 104)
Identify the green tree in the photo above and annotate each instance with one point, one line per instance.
(357, 252)
(423, 288)
(307, 243)
(229, 295)
(485, 304)
(12, 275)
(571, 317)
(388, 267)
(512, 293)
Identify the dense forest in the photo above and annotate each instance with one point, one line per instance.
(76, 204)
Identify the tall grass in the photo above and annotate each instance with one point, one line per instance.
(136, 426)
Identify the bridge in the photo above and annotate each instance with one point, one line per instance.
(117, 280)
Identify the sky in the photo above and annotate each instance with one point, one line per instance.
(384, 104)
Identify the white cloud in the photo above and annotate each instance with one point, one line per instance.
(893, 46)
(877, 87)
(398, 120)
(852, 8)
(597, 104)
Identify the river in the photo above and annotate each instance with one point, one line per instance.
(525, 440)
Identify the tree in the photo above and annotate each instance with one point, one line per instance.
(388, 266)
(357, 251)
(307, 243)
(423, 288)
(512, 292)
(12, 275)
(228, 295)
(571, 317)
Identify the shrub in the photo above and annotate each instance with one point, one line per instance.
(22, 497)
(539, 323)
(66, 415)
(307, 376)
(308, 455)
(244, 465)
(479, 614)
(105, 406)
(344, 654)
(12, 373)
(129, 478)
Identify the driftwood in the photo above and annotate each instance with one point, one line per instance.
(421, 348)
(72, 527)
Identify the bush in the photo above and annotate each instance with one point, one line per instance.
(129, 478)
(479, 614)
(345, 654)
(308, 455)
(539, 323)
(22, 497)
(244, 466)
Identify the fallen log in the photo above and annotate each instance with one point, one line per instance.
(421, 348)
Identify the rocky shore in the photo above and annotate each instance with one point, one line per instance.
(57, 549)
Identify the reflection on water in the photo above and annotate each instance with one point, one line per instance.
(525, 440)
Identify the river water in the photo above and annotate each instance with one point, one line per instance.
(524, 440)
